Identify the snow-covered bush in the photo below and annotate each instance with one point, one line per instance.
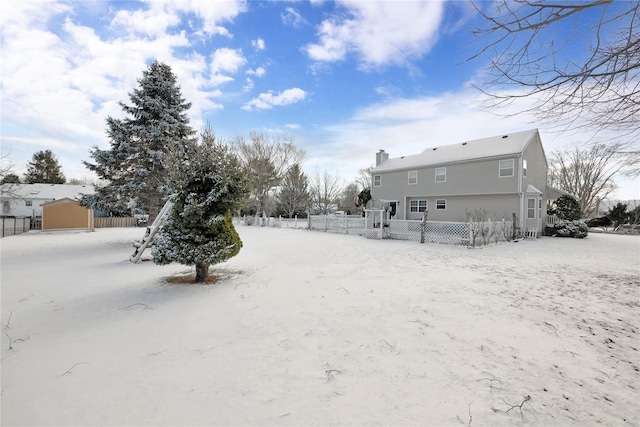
(576, 228)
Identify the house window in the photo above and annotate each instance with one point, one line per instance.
(418, 206)
(377, 180)
(413, 177)
(506, 167)
(540, 208)
(441, 204)
(531, 208)
(524, 168)
(28, 202)
(441, 174)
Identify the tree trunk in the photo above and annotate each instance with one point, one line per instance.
(202, 272)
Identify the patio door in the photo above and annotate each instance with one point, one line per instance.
(393, 209)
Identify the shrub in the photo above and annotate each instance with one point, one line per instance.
(567, 208)
(576, 228)
(603, 221)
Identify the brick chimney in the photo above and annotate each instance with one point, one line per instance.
(381, 156)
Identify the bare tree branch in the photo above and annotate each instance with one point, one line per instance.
(535, 52)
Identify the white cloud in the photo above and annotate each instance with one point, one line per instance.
(268, 100)
(258, 44)
(164, 14)
(258, 72)
(293, 18)
(227, 60)
(59, 94)
(379, 33)
(249, 84)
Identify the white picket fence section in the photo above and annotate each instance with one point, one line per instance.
(375, 226)
(347, 224)
(272, 221)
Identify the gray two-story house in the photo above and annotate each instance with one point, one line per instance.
(503, 175)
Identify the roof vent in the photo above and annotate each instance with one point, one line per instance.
(402, 157)
(435, 149)
(464, 143)
(505, 136)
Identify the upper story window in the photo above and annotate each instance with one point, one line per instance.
(413, 177)
(28, 202)
(441, 204)
(441, 174)
(506, 168)
(377, 180)
(524, 168)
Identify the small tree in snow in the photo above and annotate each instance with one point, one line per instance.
(618, 214)
(207, 182)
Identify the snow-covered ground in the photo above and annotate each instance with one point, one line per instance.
(312, 328)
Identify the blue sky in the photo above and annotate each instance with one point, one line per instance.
(340, 79)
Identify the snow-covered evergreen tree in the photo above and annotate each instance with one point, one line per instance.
(134, 165)
(207, 182)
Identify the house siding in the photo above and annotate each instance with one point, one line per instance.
(462, 181)
(536, 176)
(471, 183)
(458, 208)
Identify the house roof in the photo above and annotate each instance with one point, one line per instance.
(51, 191)
(495, 146)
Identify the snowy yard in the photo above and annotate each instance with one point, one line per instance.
(312, 328)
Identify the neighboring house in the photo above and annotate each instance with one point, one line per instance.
(27, 199)
(503, 175)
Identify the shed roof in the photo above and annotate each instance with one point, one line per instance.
(495, 146)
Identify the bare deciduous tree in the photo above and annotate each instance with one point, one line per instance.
(349, 198)
(364, 178)
(578, 61)
(268, 160)
(585, 172)
(325, 191)
(9, 187)
(294, 191)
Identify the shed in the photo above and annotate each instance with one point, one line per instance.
(66, 213)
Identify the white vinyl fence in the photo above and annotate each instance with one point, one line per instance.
(375, 226)
(347, 224)
(273, 222)
(452, 233)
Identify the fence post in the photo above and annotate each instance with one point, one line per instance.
(346, 224)
(295, 222)
(472, 240)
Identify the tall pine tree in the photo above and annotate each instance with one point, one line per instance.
(44, 169)
(134, 165)
(207, 183)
